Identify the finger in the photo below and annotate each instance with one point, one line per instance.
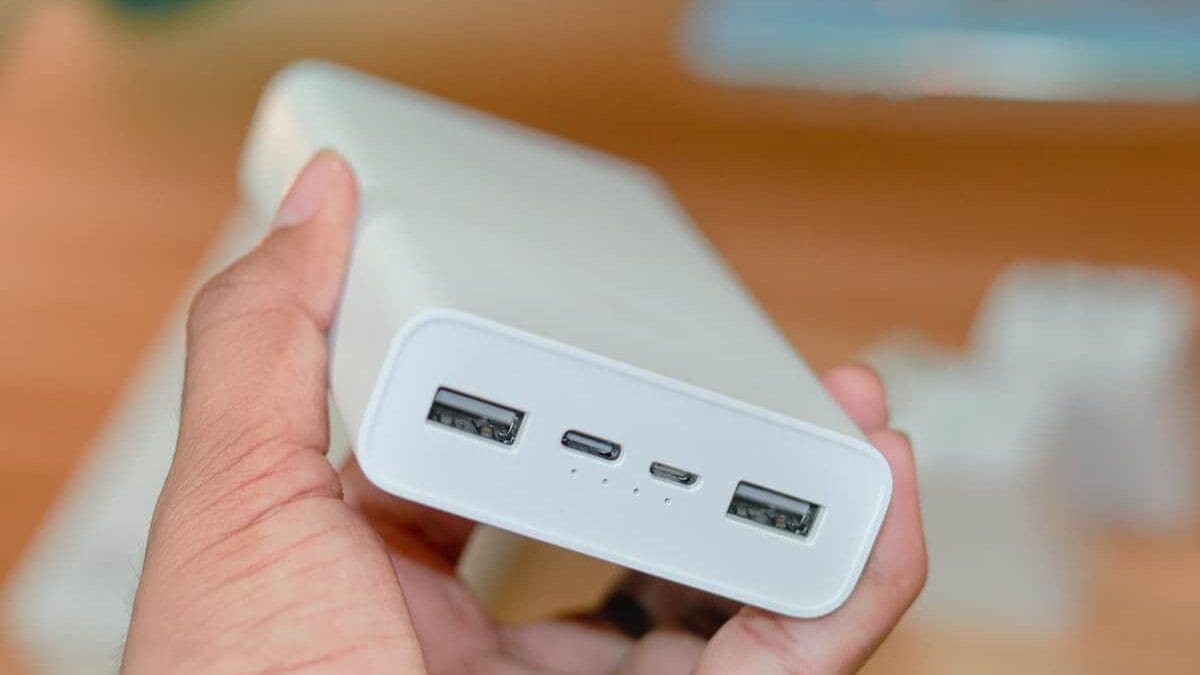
(433, 537)
(563, 647)
(641, 603)
(253, 425)
(860, 393)
(663, 652)
(760, 642)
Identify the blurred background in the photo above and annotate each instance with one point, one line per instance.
(996, 204)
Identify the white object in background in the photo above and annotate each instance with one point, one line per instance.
(528, 289)
(1003, 552)
(1115, 344)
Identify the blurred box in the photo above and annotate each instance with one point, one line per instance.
(1062, 50)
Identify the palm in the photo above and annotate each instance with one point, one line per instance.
(454, 629)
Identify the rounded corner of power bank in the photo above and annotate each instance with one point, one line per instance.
(810, 610)
(428, 317)
(885, 474)
(304, 73)
(364, 439)
(834, 602)
(371, 468)
(881, 468)
(420, 322)
(417, 323)
(819, 608)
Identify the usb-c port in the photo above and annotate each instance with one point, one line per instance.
(591, 445)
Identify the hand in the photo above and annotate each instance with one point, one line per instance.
(262, 558)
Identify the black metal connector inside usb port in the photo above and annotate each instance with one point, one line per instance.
(592, 445)
(767, 508)
(476, 416)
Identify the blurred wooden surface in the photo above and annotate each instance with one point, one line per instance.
(846, 216)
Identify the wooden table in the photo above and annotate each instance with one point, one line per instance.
(846, 216)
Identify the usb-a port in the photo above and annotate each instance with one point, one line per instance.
(472, 415)
(774, 510)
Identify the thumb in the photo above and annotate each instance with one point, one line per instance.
(254, 563)
(253, 426)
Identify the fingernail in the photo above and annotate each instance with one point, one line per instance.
(309, 190)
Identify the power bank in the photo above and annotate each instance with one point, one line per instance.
(534, 336)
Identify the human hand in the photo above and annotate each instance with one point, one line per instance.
(263, 558)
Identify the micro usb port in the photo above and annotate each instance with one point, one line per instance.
(476, 416)
(591, 445)
(673, 474)
(767, 508)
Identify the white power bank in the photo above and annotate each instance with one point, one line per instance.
(534, 336)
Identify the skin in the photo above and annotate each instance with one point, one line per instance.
(263, 558)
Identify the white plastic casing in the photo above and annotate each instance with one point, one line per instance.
(501, 262)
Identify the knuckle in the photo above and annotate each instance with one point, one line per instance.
(902, 441)
(231, 292)
(237, 293)
(918, 571)
(896, 441)
(208, 301)
(249, 478)
(285, 474)
(903, 577)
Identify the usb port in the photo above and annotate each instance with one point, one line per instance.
(673, 474)
(475, 416)
(768, 508)
(590, 445)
